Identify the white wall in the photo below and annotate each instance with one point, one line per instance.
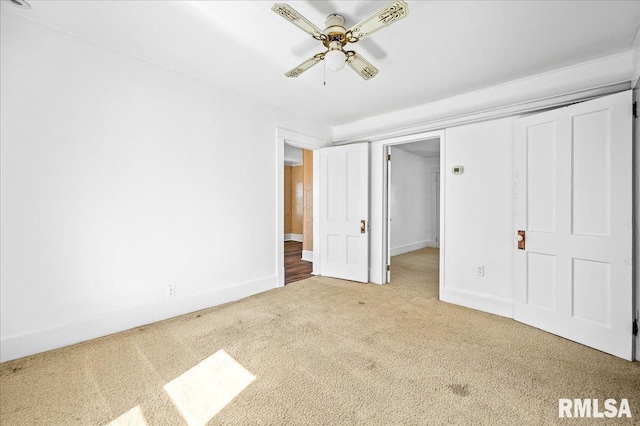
(478, 207)
(411, 200)
(119, 178)
(292, 155)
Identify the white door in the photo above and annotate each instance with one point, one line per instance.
(573, 200)
(344, 212)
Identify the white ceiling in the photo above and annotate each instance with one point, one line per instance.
(442, 48)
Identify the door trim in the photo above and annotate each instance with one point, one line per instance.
(636, 215)
(436, 191)
(379, 200)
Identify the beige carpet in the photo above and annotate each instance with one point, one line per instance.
(320, 351)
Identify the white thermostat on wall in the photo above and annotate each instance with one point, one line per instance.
(457, 170)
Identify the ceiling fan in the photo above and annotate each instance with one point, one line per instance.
(335, 37)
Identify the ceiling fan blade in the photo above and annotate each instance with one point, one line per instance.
(387, 15)
(297, 19)
(305, 65)
(361, 65)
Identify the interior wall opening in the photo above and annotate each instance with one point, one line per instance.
(298, 213)
(413, 211)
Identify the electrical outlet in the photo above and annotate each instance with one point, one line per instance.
(480, 270)
(171, 291)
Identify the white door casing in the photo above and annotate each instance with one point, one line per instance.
(389, 218)
(435, 207)
(305, 142)
(344, 204)
(573, 198)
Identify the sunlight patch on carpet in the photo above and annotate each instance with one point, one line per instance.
(205, 389)
(133, 417)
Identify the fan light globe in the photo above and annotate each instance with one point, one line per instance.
(335, 60)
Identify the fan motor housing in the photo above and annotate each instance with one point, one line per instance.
(335, 30)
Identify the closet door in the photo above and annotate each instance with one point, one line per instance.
(574, 204)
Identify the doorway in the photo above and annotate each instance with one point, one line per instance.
(413, 211)
(298, 213)
(299, 140)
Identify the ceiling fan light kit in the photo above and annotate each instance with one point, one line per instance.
(335, 37)
(335, 59)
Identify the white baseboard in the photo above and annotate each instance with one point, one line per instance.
(293, 237)
(68, 334)
(410, 247)
(280, 278)
(481, 302)
(307, 255)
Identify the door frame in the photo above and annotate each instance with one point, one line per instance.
(380, 198)
(635, 137)
(435, 207)
(303, 141)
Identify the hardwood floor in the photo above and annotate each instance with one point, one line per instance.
(295, 269)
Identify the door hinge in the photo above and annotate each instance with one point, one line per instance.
(388, 157)
(635, 327)
(388, 267)
(635, 109)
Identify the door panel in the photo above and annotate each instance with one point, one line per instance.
(541, 165)
(344, 197)
(591, 291)
(573, 199)
(541, 281)
(591, 175)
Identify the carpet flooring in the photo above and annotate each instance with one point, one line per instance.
(321, 351)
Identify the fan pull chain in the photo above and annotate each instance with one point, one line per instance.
(324, 73)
